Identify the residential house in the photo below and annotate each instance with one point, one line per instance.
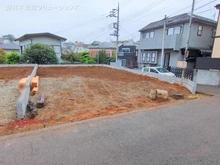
(10, 47)
(97, 46)
(216, 47)
(80, 47)
(176, 35)
(67, 47)
(127, 55)
(44, 38)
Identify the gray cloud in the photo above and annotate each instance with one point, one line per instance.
(85, 20)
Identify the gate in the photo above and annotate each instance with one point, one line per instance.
(178, 72)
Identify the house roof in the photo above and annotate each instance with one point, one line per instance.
(183, 18)
(102, 45)
(40, 34)
(10, 46)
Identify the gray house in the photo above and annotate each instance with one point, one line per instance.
(176, 34)
(44, 38)
(10, 47)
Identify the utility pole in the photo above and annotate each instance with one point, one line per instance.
(116, 27)
(188, 40)
(190, 26)
(163, 41)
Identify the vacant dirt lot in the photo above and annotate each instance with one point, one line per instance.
(78, 93)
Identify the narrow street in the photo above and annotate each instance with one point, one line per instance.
(187, 133)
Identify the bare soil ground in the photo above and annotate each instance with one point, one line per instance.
(79, 93)
(9, 78)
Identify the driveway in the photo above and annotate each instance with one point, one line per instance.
(187, 133)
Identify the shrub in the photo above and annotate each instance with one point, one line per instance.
(12, 58)
(39, 54)
(2, 56)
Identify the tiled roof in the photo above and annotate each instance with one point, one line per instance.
(177, 20)
(103, 45)
(40, 34)
(10, 46)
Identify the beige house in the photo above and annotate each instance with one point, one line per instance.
(216, 48)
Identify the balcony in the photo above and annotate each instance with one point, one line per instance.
(126, 54)
(171, 42)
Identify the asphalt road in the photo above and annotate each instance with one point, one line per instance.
(184, 134)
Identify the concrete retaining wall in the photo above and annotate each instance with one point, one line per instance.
(207, 77)
(17, 65)
(24, 97)
(190, 85)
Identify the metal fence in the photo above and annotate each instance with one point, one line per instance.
(188, 74)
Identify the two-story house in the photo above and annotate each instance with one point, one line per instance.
(127, 54)
(175, 39)
(54, 41)
(97, 46)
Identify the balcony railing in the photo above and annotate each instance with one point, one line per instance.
(126, 53)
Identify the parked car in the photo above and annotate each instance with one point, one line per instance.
(158, 70)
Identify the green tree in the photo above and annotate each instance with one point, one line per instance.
(71, 57)
(2, 56)
(9, 37)
(113, 58)
(39, 54)
(12, 58)
(86, 59)
(102, 57)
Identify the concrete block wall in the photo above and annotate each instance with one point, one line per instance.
(24, 97)
(190, 85)
(207, 77)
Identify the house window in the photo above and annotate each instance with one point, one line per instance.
(170, 31)
(150, 57)
(177, 30)
(144, 57)
(153, 56)
(174, 30)
(149, 34)
(152, 34)
(213, 33)
(199, 31)
(143, 35)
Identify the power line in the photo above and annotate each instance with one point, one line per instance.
(204, 11)
(204, 5)
(84, 23)
(123, 6)
(183, 9)
(143, 10)
(103, 29)
(155, 12)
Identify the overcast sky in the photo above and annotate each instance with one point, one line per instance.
(86, 21)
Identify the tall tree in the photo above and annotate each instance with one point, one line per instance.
(102, 57)
(9, 37)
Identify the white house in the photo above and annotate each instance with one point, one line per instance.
(43, 38)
